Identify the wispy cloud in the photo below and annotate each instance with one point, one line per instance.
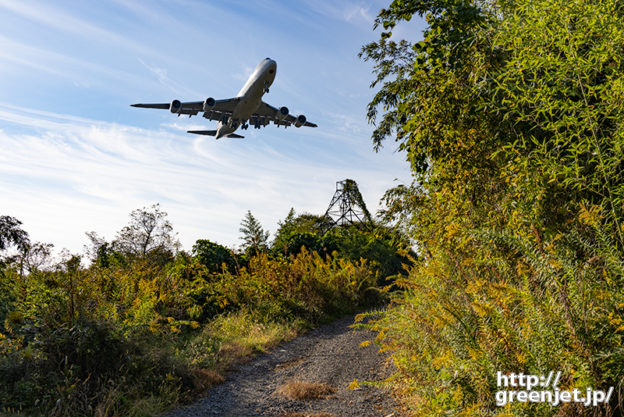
(77, 71)
(354, 12)
(163, 78)
(86, 175)
(60, 20)
(243, 74)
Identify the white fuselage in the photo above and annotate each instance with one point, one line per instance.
(250, 96)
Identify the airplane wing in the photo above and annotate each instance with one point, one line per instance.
(266, 111)
(217, 111)
(221, 110)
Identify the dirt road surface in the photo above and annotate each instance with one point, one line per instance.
(330, 355)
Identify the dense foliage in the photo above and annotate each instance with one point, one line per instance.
(143, 325)
(510, 114)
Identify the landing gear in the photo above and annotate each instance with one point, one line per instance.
(232, 123)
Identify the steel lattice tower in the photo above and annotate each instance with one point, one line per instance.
(347, 206)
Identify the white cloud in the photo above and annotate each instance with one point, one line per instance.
(353, 12)
(73, 175)
(243, 74)
(63, 21)
(161, 75)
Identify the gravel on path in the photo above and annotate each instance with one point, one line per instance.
(331, 355)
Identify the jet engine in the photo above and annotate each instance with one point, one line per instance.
(209, 104)
(301, 119)
(175, 107)
(283, 112)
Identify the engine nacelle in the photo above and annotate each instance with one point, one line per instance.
(282, 113)
(175, 106)
(301, 119)
(209, 104)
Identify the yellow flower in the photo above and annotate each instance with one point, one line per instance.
(355, 384)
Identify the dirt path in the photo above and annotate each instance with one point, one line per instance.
(330, 355)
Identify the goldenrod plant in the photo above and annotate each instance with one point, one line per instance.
(509, 113)
(139, 326)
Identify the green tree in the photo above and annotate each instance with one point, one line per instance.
(384, 248)
(292, 243)
(300, 230)
(290, 218)
(214, 256)
(100, 252)
(254, 237)
(34, 257)
(148, 235)
(11, 234)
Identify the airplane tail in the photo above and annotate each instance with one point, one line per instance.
(214, 133)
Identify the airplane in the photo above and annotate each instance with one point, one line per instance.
(244, 110)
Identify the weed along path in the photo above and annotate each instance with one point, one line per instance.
(308, 376)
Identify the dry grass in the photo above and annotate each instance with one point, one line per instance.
(288, 364)
(205, 378)
(242, 335)
(303, 390)
(321, 414)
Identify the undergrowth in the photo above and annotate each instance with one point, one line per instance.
(133, 339)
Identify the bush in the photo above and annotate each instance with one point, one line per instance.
(508, 114)
(78, 370)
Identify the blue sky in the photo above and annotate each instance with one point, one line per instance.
(74, 157)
